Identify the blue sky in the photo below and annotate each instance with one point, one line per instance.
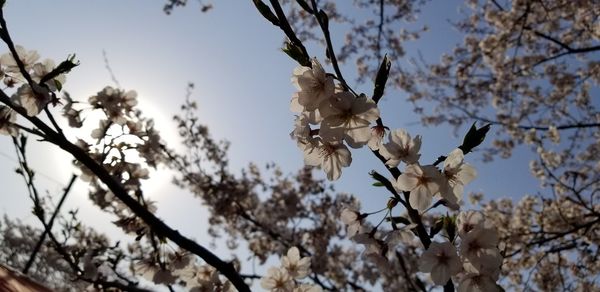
(243, 91)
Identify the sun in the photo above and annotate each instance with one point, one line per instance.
(159, 178)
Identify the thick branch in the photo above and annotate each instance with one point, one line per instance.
(157, 225)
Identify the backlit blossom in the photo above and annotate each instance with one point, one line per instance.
(422, 182)
(331, 156)
(33, 101)
(352, 219)
(301, 130)
(297, 267)
(441, 260)
(400, 235)
(457, 174)
(469, 220)
(313, 84)
(479, 247)
(7, 119)
(116, 103)
(553, 134)
(277, 280)
(352, 114)
(27, 57)
(401, 148)
(314, 117)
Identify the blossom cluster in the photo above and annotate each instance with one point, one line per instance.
(181, 267)
(341, 115)
(475, 262)
(285, 278)
(423, 182)
(31, 93)
(478, 262)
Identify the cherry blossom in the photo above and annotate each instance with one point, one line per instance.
(422, 182)
(457, 174)
(331, 156)
(277, 280)
(27, 57)
(401, 148)
(399, 235)
(297, 267)
(352, 114)
(116, 103)
(352, 219)
(469, 220)
(32, 100)
(479, 247)
(313, 84)
(441, 260)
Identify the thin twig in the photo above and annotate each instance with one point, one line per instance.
(49, 224)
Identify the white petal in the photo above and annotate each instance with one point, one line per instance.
(466, 174)
(420, 198)
(440, 274)
(406, 182)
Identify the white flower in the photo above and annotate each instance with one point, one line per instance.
(400, 235)
(115, 103)
(379, 260)
(422, 182)
(457, 174)
(301, 130)
(479, 247)
(352, 114)
(331, 156)
(33, 101)
(27, 57)
(477, 283)
(7, 119)
(469, 220)
(441, 261)
(206, 276)
(314, 117)
(353, 220)
(296, 267)
(313, 84)
(374, 251)
(401, 148)
(553, 134)
(277, 280)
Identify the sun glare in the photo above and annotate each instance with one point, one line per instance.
(159, 178)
